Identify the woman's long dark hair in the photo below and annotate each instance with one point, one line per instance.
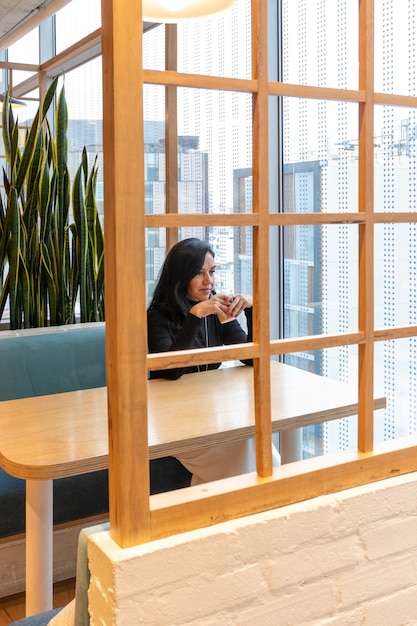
(182, 263)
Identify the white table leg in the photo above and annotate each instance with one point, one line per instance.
(291, 445)
(39, 546)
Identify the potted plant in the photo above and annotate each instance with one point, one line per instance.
(51, 238)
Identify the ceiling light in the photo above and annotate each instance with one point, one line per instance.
(175, 10)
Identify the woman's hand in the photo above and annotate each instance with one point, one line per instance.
(224, 306)
(215, 305)
(238, 303)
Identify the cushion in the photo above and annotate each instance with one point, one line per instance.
(74, 498)
(78, 497)
(56, 362)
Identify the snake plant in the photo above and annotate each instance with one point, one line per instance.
(51, 238)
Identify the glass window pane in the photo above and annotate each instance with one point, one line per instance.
(320, 282)
(70, 28)
(395, 275)
(395, 46)
(320, 43)
(395, 372)
(219, 45)
(395, 159)
(25, 49)
(221, 123)
(340, 364)
(83, 93)
(214, 151)
(320, 152)
(233, 248)
(154, 49)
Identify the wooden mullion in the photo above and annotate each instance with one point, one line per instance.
(295, 219)
(199, 81)
(260, 194)
(395, 218)
(125, 278)
(395, 332)
(201, 356)
(366, 230)
(201, 219)
(231, 498)
(317, 93)
(275, 219)
(89, 46)
(396, 100)
(171, 133)
(18, 67)
(315, 342)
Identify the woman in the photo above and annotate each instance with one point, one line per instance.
(185, 313)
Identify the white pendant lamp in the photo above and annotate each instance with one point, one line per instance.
(176, 10)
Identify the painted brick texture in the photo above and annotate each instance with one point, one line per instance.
(349, 558)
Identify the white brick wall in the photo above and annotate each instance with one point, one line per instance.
(346, 559)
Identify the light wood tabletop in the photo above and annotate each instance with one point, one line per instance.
(66, 434)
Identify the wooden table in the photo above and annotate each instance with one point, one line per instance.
(66, 434)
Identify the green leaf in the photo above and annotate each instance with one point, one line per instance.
(14, 258)
(49, 96)
(6, 121)
(49, 270)
(4, 295)
(52, 259)
(27, 154)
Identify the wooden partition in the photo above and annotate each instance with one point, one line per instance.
(134, 516)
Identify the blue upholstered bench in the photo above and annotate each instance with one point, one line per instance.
(46, 361)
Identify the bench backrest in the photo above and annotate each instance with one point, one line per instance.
(56, 360)
(47, 361)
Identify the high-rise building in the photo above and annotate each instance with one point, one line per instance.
(192, 191)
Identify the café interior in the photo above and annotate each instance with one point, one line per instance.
(280, 545)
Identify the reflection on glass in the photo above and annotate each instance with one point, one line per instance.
(24, 50)
(70, 28)
(395, 49)
(321, 151)
(395, 153)
(233, 248)
(330, 437)
(320, 283)
(320, 43)
(395, 372)
(395, 275)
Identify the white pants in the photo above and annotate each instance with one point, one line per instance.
(223, 461)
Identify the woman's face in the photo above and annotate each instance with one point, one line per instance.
(201, 284)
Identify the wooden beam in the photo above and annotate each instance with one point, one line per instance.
(260, 193)
(176, 220)
(171, 133)
(199, 81)
(125, 278)
(224, 500)
(366, 230)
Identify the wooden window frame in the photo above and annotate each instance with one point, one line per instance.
(135, 516)
(146, 518)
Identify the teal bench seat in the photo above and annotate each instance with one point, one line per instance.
(59, 359)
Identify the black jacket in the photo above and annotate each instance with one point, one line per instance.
(168, 331)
